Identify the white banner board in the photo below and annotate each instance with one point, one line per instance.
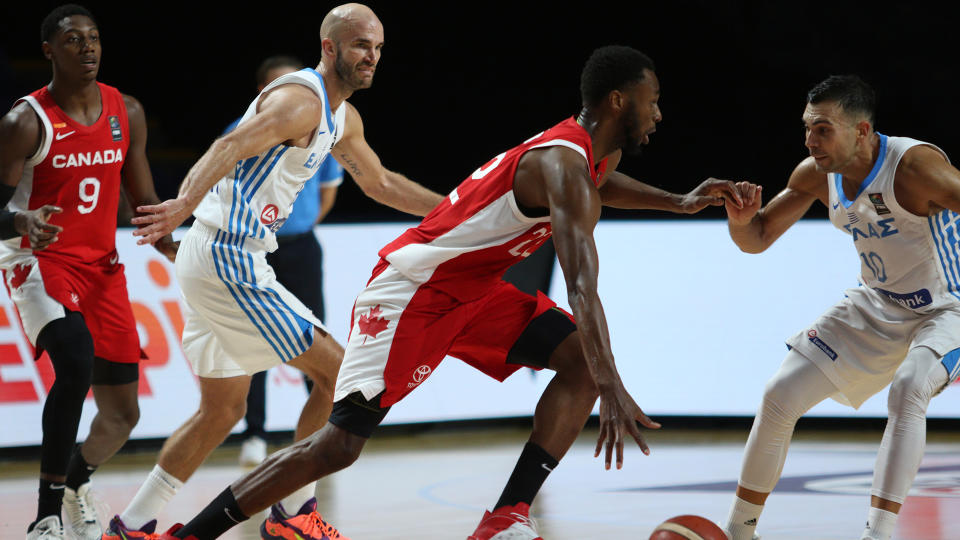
(697, 328)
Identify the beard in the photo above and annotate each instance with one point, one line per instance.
(349, 75)
(632, 136)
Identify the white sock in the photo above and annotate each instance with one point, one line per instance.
(156, 491)
(880, 525)
(293, 501)
(743, 519)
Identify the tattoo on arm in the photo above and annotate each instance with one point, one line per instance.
(351, 165)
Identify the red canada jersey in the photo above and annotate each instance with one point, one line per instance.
(77, 168)
(468, 241)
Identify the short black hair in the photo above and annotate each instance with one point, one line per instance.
(610, 68)
(851, 92)
(51, 23)
(281, 60)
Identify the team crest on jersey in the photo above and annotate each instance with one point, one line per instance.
(269, 214)
(115, 128)
(877, 200)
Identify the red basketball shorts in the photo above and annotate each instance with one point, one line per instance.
(402, 330)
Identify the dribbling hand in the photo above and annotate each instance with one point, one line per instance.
(619, 413)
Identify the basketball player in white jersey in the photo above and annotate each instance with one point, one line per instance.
(240, 319)
(899, 200)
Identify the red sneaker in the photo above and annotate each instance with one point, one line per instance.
(169, 534)
(507, 523)
(306, 524)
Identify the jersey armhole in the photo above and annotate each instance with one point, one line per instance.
(47, 133)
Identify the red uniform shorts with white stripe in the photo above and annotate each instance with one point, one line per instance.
(402, 330)
(41, 287)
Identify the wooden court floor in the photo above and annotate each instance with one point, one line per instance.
(435, 485)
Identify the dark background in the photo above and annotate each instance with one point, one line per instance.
(460, 82)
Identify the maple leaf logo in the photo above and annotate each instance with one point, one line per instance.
(20, 273)
(372, 323)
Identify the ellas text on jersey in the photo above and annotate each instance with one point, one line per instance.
(883, 228)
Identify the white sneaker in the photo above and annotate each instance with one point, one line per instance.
(48, 528)
(81, 515)
(253, 451)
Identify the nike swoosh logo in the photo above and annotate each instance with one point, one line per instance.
(57, 486)
(544, 465)
(59, 136)
(835, 206)
(233, 519)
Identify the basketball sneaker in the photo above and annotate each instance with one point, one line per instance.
(118, 531)
(81, 516)
(169, 534)
(307, 524)
(48, 528)
(507, 523)
(253, 451)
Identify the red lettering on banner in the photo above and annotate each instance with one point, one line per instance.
(14, 391)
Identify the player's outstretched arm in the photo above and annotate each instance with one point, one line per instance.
(387, 187)
(574, 205)
(20, 138)
(136, 175)
(288, 113)
(753, 228)
(621, 191)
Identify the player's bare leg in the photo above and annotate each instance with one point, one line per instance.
(563, 409)
(566, 403)
(321, 362)
(117, 415)
(323, 453)
(222, 404)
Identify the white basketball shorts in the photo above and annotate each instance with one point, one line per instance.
(238, 319)
(861, 341)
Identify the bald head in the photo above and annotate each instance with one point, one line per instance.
(346, 19)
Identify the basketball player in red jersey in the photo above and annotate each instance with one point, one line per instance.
(437, 291)
(65, 152)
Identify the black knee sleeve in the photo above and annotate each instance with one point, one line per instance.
(114, 373)
(70, 346)
(357, 415)
(540, 338)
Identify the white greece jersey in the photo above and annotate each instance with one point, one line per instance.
(253, 201)
(912, 260)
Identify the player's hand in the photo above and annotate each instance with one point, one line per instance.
(33, 224)
(619, 415)
(711, 192)
(168, 248)
(159, 220)
(752, 200)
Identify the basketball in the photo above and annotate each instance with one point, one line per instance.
(688, 527)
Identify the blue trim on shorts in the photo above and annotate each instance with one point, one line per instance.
(218, 263)
(951, 361)
(289, 334)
